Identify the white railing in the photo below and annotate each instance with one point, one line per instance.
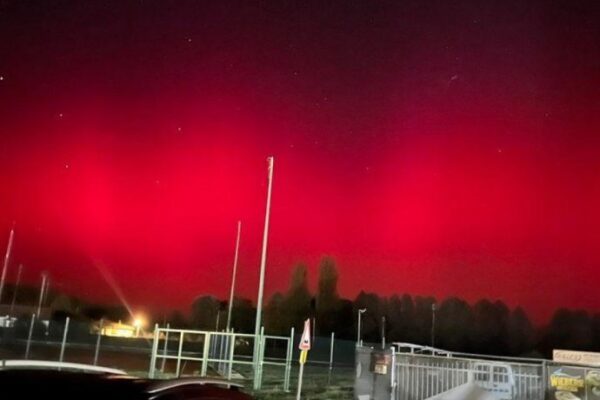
(219, 352)
(418, 377)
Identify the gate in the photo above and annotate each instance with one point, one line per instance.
(419, 377)
(425, 373)
(218, 353)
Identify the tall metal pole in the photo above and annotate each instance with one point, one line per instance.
(64, 340)
(98, 338)
(39, 309)
(6, 260)
(235, 261)
(263, 258)
(433, 325)
(16, 289)
(46, 290)
(29, 336)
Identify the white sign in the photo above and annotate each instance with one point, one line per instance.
(576, 357)
(305, 339)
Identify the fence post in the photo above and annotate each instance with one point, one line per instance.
(97, 352)
(393, 375)
(231, 354)
(162, 365)
(64, 340)
(263, 341)
(331, 350)
(179, 350)
(544, 377)
(29, 336)
(222, 350)
(331, 344)
(288, 361)
(259, 359)
(213, 346)
(205, 354)
(154, 351)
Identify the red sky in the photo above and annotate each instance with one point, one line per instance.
(429, 148)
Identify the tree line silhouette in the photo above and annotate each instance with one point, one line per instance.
(485, 327)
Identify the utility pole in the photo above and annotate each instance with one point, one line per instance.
(235, 262)
(263, 257)
(6, 261)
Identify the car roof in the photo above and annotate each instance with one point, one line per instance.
(70, 385)
(67, 385)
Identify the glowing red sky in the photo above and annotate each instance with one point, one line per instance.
(431, 149)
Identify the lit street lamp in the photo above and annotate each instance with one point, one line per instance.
(358, 340)
(138, 323)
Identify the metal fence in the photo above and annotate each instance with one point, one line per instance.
(411, 372)
(72, 341)
(222, 353)
(419, 377)
(229, 355)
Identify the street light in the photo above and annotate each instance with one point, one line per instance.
(138, 323)
(358, 341)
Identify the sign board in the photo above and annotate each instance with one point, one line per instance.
(576, 357)
(305, 339)
(380, 363)
(573, 383)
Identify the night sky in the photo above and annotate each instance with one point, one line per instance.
(442, 147)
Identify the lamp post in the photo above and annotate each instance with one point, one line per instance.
(263, 262)
(235, 261)
(358, 340)
(137, 323)
(263, 257)
(433, 325)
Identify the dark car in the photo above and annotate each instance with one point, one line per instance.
(81, 383)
